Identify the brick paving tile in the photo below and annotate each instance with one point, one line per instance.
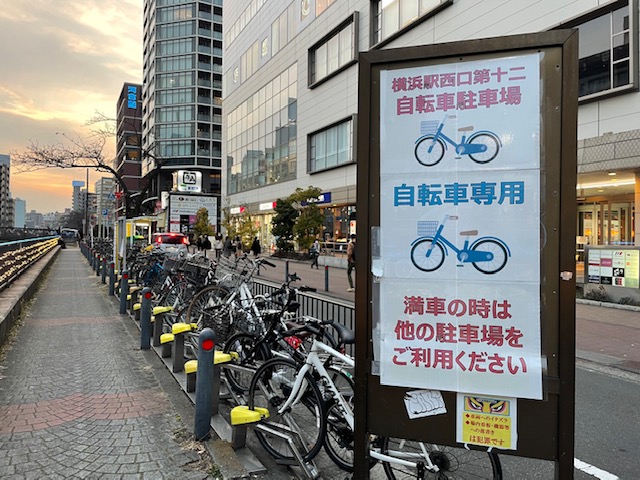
(78, 399)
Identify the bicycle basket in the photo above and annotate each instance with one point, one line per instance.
(427, 227)
(429, 127)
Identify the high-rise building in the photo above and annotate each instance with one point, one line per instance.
(129, 136)
(181, 92)
(76, 202)
(19, 212)
(105, 204)
(6, 202)
(291, 97)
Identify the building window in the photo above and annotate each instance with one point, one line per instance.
(607, 49)
(391, 16)
(334, 52)
(331, 147)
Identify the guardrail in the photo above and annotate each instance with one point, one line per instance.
(18, 256)
(317, 306)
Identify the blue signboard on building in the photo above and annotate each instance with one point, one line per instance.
(132, 96)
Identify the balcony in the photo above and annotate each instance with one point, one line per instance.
(203, 117)
(204, 83)
(206, 100)
(204, 134)
(204, 49)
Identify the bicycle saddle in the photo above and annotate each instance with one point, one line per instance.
(466, 129)
(469, 233)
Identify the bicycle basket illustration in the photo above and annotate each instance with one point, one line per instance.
(429, 127)
(427, 228)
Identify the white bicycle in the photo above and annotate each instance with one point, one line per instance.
(312, 402)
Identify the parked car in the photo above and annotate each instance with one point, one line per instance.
(170, 242)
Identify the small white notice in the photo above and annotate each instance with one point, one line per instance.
(424, 403)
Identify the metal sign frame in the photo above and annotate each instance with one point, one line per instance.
(545, 427)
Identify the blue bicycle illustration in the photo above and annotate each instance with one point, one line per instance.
(481, 146)
(487, 254)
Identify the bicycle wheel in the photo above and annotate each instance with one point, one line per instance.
(178, 298)
(490, 141)
(338, 439)
(209, 308)
(270, 387)
(427, 256)
(251, 355)
(429, 151)
(498, 251)
(452, 462)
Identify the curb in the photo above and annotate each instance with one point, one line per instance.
(618, 306)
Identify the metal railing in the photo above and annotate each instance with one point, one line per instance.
(317, 306)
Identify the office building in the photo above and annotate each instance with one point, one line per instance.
(76, 202)
(129, 138)
(19, 212)
(291, 96)
(6, 203)
(105, 204)
(181, 94)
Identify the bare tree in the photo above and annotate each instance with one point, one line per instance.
(77, 151)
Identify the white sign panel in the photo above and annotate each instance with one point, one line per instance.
(460, 233)
(188, 181)
(188, 205)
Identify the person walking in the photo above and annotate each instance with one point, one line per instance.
(351, 262)
(219, 246)
(239, 247)
(206, 244)
(227, 248)
(314, 251)
(255, 247)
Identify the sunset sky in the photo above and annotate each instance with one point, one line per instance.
(62, 61)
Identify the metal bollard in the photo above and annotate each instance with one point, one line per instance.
(98, 263)
(103, 271)
(204, 385)
(112, 279)
(145, 319)
(124, 291)
(326, 278)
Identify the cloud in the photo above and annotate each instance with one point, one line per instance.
(61, 64)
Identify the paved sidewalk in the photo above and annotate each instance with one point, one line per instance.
(79, 399)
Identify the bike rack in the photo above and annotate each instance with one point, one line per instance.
(295, 445)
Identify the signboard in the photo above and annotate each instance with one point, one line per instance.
(466, 233)
(617, 267)
(183, 209)
(132, 96)
(187, 181)
(459, 168)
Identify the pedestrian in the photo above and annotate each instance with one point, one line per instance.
(199, 243)
(255, 247)
(351, 261)
(239, 248)
(227, 249)
(219, 246)
(314, 251)
(206, 244)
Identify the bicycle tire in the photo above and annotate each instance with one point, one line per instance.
(452, 462)
(493, 147)
(424, 156)
(209, 308)
(419, 255)
(499, 256)
(270, 388)
(251, 354)
(338, 440)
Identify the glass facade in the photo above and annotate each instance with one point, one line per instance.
(331, 147)
(605, 52)
(392, 16)
(262, 135)
(332, 54)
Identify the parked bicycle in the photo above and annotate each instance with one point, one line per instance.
(487, 254)
(481, 146)
(305, 403)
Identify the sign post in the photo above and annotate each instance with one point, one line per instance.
(466, 175)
